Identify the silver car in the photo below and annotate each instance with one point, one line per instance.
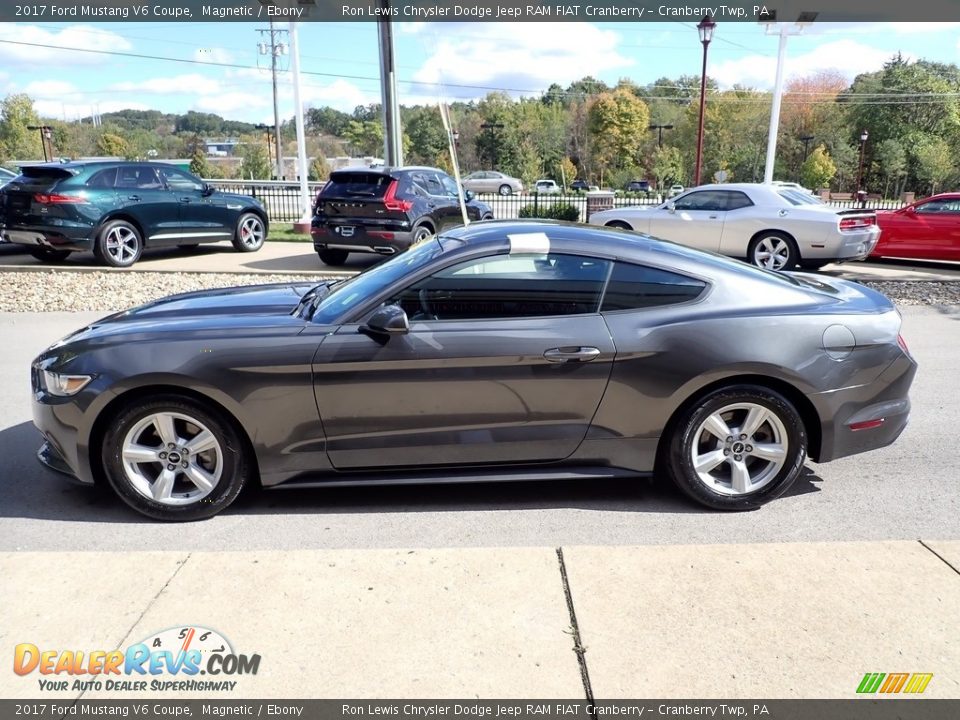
(769, 226)
(491, 181)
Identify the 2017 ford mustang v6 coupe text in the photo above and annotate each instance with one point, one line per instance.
(502, 351)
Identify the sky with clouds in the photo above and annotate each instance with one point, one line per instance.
(70, 70)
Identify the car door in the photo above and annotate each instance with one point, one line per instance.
(142, 194)
(506, 361)
(931, 230)
(456, 215)
(694, 219)
(204, 217)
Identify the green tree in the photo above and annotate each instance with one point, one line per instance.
(112, 145)
(566, 170)
(892, 159)
(199, 165)
(667, 166)
(255, 164)
(17, 142)
(319, 169)
(934, 162)
(618, 124)
(365, 136)
(818, 169)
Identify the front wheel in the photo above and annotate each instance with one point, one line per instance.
(171, 458)
(619, 224)
(45, 254)
(506, 190)
(250, 233)
(738, 448)
(118, 244)
(773, 251)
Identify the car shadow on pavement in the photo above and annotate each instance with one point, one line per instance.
(306, 261)
(29, 490)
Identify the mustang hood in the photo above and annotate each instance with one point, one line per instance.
(211, 311)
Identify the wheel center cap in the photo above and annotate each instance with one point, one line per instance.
(174, 457)
(738, 448)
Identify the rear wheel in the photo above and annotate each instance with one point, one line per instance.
(333, 257)
(421, 232)
(171, 458)
(118, 244)
(737, 448)
(505, 189)
(45, 254)
(250, 233)
(773, 250)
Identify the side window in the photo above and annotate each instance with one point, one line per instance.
(137, 177)
(736, 199)
(693, 201)
(178, 180)
(508, 286)
(103, 179)
(449, 185)
(633, 287)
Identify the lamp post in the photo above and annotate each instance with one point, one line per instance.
(660, 129)
(46, 132)
(861, 193)
(705, 28)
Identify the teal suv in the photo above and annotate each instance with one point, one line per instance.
(117, 209)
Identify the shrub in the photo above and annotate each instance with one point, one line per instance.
(556, 211)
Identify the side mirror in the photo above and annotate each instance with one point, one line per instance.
(208, 189)
(910, 209)
(388, 320)
(468, 195)
(671, 207)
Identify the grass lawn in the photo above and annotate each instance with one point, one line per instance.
(285, 233)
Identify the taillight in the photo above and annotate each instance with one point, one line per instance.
(903, 344)
(854, 223)
(392, 202)
(54, 199)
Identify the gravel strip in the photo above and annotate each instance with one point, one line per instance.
(74, 291)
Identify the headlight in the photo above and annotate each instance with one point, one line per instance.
(64, 385)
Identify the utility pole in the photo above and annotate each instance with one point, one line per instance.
(274, 49)
(390, 106)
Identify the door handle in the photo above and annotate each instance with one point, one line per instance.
(184, 199)
(713, 217)
(135, 198)
(571, 354)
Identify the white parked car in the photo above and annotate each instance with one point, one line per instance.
(546, 187)
(491, 181)
(792, 186)
(674, 190)
(770, 227)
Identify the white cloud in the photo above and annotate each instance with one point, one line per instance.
(847, 56)
(58, 43)
(73, 110)
(192, 83)
(514, 56)
(234, 105)
(48, 89)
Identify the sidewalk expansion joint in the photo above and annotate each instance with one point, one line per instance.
(942, 558)
(145, 610)
(578, 647)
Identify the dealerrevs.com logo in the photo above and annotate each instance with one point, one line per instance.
(173, 659)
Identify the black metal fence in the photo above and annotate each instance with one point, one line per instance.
(282, 200)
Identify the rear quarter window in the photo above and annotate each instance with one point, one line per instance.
(633, 287)
(357, 184)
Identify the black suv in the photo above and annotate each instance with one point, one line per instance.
(385, 210)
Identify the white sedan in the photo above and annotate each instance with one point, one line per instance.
(768, 226)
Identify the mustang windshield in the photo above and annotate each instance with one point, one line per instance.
(370, 282)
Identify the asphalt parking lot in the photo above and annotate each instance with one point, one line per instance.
(905, 492)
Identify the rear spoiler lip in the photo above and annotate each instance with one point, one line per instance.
(857, 211)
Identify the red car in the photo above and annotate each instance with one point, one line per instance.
(927, 230)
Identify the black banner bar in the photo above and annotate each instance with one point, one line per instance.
(476, 10)
(873, 708)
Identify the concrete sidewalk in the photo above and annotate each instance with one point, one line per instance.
(804, 620)
(299, 258)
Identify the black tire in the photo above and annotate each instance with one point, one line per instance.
(813, 265)
(333, 257)
(420, 232)
(250, 233)
(118, 244)
(688, 429)
(235, 466)
(619, 224)
(787, 255)
(505, 190)
(48, 255)
(488, 216)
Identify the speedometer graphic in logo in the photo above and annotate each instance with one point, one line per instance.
(192, 637)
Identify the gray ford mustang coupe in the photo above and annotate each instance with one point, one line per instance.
(503, 351)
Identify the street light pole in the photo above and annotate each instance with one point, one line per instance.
(45, 134)
(861, 193)
(660, 129)
(705, 28)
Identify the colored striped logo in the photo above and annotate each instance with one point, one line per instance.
(914, 683)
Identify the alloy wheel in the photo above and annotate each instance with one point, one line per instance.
(250, 231)
(772, 253)
(172, 458)
(739, 449)
(122, 245)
